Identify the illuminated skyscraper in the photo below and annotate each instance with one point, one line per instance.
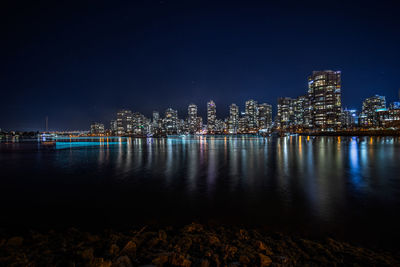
(199, 122)
(192, 119)
(264, 116)
(324, 92)
(251, 114)
(301, 112)
(395, 105)
(171, 121)
(113, 126)
(285, 116)
(156, 117)
(219, 126)
(233, 121)
(139, 124)
(97, 128)
(349, 118)
(211, 116)
(155, 125)
(124, 122)
(243, 123)
(370, 106)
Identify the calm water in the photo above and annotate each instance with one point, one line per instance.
(348, 188)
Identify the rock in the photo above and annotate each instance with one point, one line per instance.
(261, 246)
(162, 235)
(280, 259)
(153, 242)
(99, 262)
(87, 254)
(208, 253)
(193, 227)
(264, 260)
(114, 249)
(244, 260)
(243, 234)
(160, 260)
(92, 238)
(213, 240)
(129, 249)
(15, 241)
(184, 244)
(205, 263)
(216, 260)
(230, 251)
(180, 260)
(122, 261)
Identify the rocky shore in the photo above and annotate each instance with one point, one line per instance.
(191, 245)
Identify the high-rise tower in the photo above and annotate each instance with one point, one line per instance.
(264, 116)
(233, 121)
(324, 92)
(211, 116)
(251, 114)
(192, 119)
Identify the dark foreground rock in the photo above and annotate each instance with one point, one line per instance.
(192, 245)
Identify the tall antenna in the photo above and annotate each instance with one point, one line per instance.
(47, 123)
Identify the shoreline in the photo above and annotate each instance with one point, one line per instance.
(190, 245)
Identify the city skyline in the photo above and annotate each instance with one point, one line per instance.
(318, 109)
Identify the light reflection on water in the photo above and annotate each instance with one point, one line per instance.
(333, 184)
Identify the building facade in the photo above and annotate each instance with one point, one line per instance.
(171, 122)
(97, 128)
(192, 119)
(350, 119)
(264, 116)
(251, 114)
(301, 112)
(324, 93)
(124, 122)
(368, 117)
(285, 115)
(211, 116)
(233, 121)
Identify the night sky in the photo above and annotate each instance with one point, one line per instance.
(80, 62)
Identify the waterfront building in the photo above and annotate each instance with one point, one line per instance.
(155, 123)
(139, 124)
(324, 93)
(285, 116)
(251, 114)
(156, 118)
(394, 105)
(199, 123)
(97, 128)
(113, 126)
(124, 122)
(370, 106)
(211, 116)
(388, 118)
(192, 123)
(301, 112)
(233, 120)
(349, 118)
(171, 122)
(243, 123)
(264, 116)
(220, 126)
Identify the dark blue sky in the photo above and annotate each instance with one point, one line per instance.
(79, 62)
